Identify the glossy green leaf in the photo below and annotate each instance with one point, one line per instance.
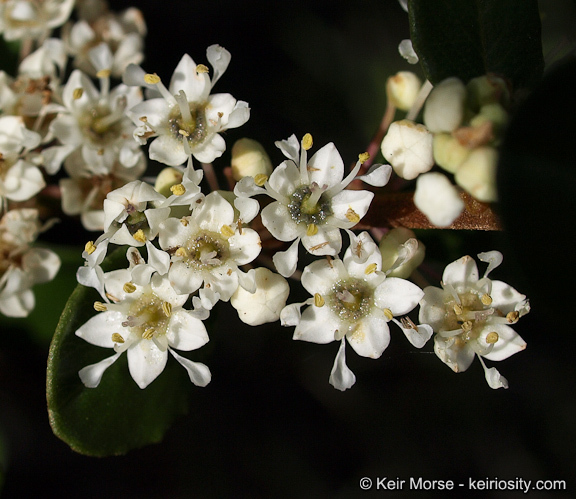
(468, 38)
(117, 416)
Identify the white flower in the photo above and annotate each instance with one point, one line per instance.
(19, 179)
(95, 122)
(266, 303)
(208, 247)
(471, 316)
(311, 201)
(355, 301)
(438, 199)
(186, 120)
(32, 18)
(147, 321)
(402, 89)
(21, 267)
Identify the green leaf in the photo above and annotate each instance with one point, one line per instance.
(468, 38)
(117, 416)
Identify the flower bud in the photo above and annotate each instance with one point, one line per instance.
(438, 199)
(249, 159)
(402, 89)
(444, 110)
(448, 152)
(486, 89)
(493, 113)
(166, 179)
(408, 148)
(266, 303)
(401, 248)
(477, 175)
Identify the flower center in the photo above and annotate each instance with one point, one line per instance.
(101, 125)
(148, 316)
(469, 315)
(205, 251)
(308, 205)
(350, 299)
(188, 121)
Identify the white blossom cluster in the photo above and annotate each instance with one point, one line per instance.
(188, 250)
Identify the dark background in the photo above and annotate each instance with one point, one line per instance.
(269, 424)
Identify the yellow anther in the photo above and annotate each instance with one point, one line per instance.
(167, 308)
(178, 189)
(100, 307)
(352, 216)
(311, 230)
(202, 69)
(182, 252)
(486, 299)
(318, 300)
(307, 142)
(129, 287)
(492, 337)
(78, 92)
(89, 247)
(388, 314)
(151, 79)
(513, 316)
(227, 231)
(103, 73)
(363, 157)
(318, 246)
(148, 334)
(408, 323)
(143, 119)
(184, 222)
(260, 179)
(370, 269)
(140, 236)
(117, 338)
(467, 326)
(458, 309)
(184, 133)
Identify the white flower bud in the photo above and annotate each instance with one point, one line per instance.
(493, 113)
(408, 148)
(407, 51)
(249, 159)
(402, 89)
(477, 175)
(401, 252)
(448, 152)
(167, 178)
(266, 303)
(444, 110)
(438, 199)
(487, 89)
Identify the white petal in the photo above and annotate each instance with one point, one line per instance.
(186, 332)
(285, 178)
(291, 314)
(327, 241)
(371, 335)
(398, 295)
(196, 85)
(158, 259)
(432, 308)
(168, 150)
(509, 342)
(418, 336)
(248, 208)
(407, 51)
(321, 275)
(286, 261)
(199, 373)
(356, 201)
(462, 274)
(246, 247)
(92, 375)
(145, 362)
(99, 329)
(219, 58)
(290, 148)
(504, 297)
(317, 325)
(341, 376)
(326, 166)
(377, 175)
(492, 258)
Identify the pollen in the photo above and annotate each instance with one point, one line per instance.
(178, 189)
(167, 308)
(260, 179)
(117, 338)
(486, 299)
(129, 287)
(370, 269)
(140, 236)
(363, 157)
(388, 314)
(78, 92)
(202, 69)
(103, 73)
(352, 216)
(307, 142)
(492, 337)
(151, 79)
(100, 307)
(318, 300)
(90, 247)
(227, 231)
(311, 230)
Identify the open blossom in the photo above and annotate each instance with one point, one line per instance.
(186, 119)
(21, 266)
(146, 321)
(472, 317)
(354, 300)
(208, 247)
(32, 18)
(311, 202)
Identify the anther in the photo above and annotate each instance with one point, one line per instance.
(486, 299)
(103, 73)
(100, 307)
(167, 308)
(307, 142)
(178, 189)
(363, 157)
(151, 79)
(311, 230)
(513, 316)
(388, 314)
(492, 337)
(458, 309)
(467, 326)
(117, 338)
(318, 246)
(352, 216)
(318, 300)
(140, 236)
(181, 252)
(226, 231)
(77, 93)
(90, 247)
(370, 269)
(202, 69)
(260, 179)
(129, 287)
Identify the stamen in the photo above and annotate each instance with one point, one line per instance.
(140, 236)
(100, 307)
(103, 73)
(492, 337)
(318, 300)
(178, 189)
(318, 246)
(512, 317)
(458, 310)
(260, 179)
(486, 299)
(408, 323)
(112, 298)
(167, 308)
(307, 142)
(227, 231)
(311, 230)
(201, 68)
(117, 338)
(370, 269)
(388, 314)
(467, 326)
(152, 79)
(352, 216)
(185, 109)
(129, 287)
(90, 247)
(181, 252)
(77, 93)
(363, 157)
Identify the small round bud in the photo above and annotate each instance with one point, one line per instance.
(249, 159)
(448, 152)
(444, 110)
(486, 89)
(477, 175)
(438, 199)
(494, 114)
(402, 89)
